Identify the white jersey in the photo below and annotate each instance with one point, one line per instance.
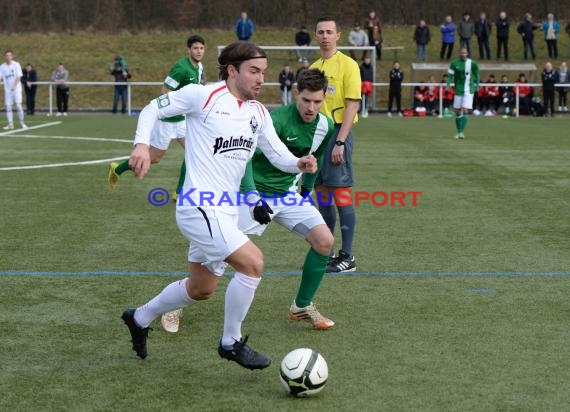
(10, 75)
(222, 133)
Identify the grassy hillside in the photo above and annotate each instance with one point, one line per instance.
(149, 56)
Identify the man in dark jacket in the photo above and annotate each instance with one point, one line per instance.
(28, 78)
(483, 32)
(526, 29)
(422, 37)
(503, 26)
(466, 29)
(302, 40)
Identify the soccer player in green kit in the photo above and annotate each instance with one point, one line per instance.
(465, 74)
(304, 131)
(187, 70)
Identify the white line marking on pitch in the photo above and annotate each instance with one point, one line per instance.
(95, 139)
(89, 162)
(39, 126)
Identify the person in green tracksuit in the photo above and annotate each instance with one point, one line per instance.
(304, 131)
(465, 74)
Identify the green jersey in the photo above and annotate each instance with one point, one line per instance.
(465, 74)
(301, 139)
(182, 74)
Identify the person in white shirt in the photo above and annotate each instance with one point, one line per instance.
(11, 75)
(358, 38)
(225, 124)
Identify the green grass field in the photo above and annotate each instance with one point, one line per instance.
(459, 303)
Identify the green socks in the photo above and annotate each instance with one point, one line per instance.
(122, 167)
(460, 123)
(463, 123)
(313, 271)
(181, 177)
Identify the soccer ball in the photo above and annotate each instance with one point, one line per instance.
(304, 372)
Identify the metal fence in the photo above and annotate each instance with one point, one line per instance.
(133, 86)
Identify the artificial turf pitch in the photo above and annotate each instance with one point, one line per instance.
(459, 302)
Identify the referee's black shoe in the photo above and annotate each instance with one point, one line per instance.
(342, 263)
(138, 334)
(243, 354)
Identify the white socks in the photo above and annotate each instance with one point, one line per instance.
(20, 111)
(9, 115)
(239, 295)
(174, 296)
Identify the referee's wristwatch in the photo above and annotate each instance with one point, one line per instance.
(339, 143)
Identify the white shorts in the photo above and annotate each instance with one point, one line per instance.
(213, 235)
(290, 212)
(463, 102)
(164, 132)
(11, 97)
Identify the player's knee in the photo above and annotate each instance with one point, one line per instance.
(256, 266)
(200, 292)
(321, 239)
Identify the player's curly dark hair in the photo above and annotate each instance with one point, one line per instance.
(235, 54)
(312, 80)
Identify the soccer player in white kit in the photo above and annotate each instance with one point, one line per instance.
(11, 75)
(225, 124)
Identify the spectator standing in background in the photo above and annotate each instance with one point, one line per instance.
(121, 73)
(422, 37)
(302, 40)
(551, 28)
(395, 90)
(506, 95)
(60, 76)
(549, 79)
(367, 78)
(304, 66)
(286, 80)
(466, 29)
(563, 78)
(526, 29)
(374, 30)
(358, 38)
(28, 78)
(483, 32)
(244, 27)
(447, 29)
(503, 26)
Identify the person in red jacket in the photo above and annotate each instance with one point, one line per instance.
(489, 97)
(525, 94)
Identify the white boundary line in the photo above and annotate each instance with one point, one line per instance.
(94, 139)
(10, 133)
(89, 162)
(39, 126)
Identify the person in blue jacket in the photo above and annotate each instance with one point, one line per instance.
(244, 27)
(551, 28)
(447, 29)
